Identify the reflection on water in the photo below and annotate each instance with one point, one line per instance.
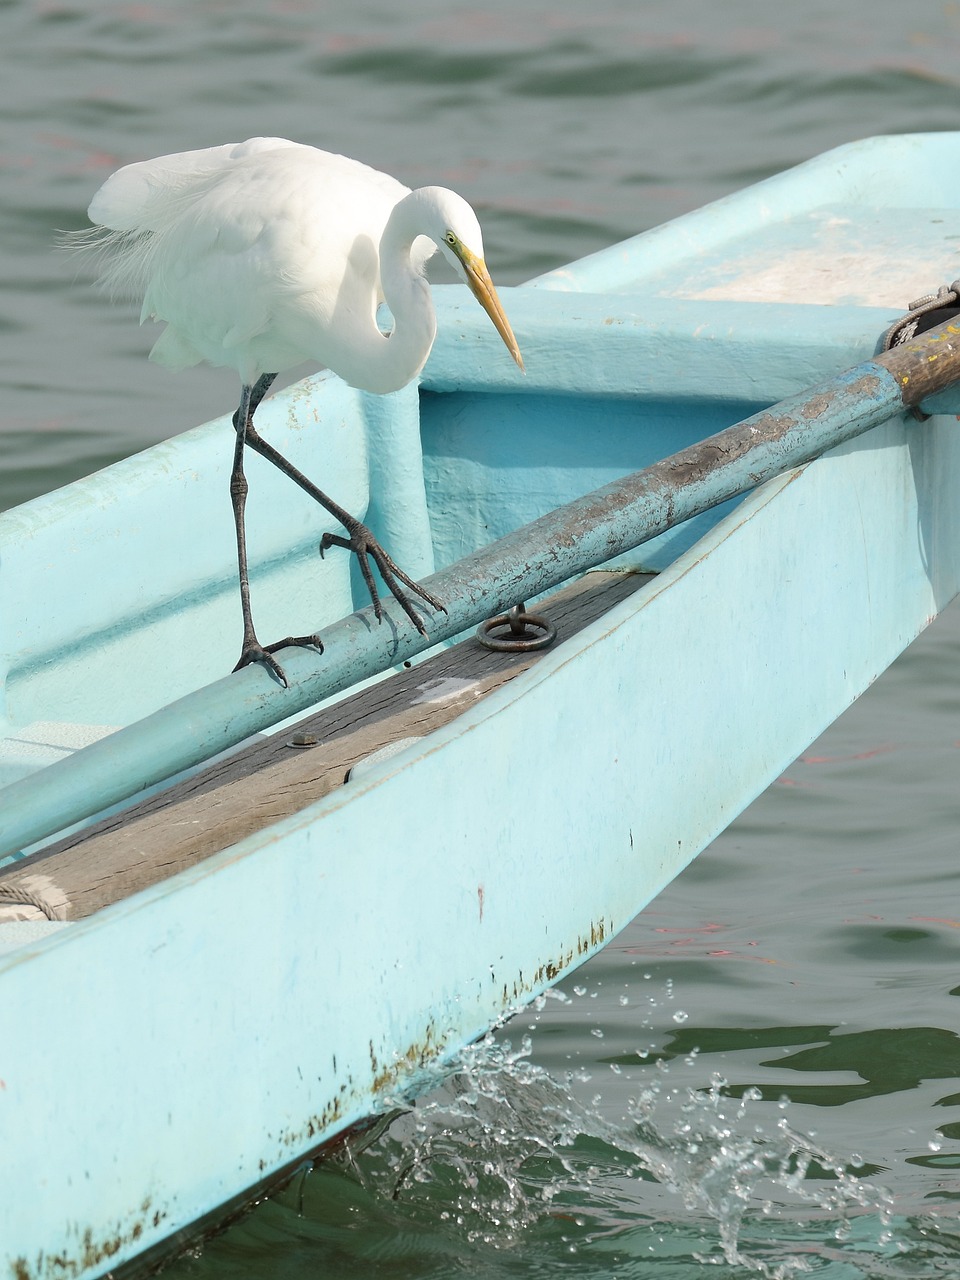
(880, 1061)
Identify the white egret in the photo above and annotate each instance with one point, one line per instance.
(261, 255)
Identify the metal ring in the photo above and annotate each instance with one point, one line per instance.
(527, 631)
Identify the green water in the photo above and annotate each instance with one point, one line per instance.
(763, 1071)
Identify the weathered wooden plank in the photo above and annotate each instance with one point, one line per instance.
(271, 779)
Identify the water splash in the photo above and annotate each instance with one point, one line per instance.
(509, 1171)
(503, 1151)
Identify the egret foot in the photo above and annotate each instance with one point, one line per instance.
(254, 651)
(359, 538)
(366, 548)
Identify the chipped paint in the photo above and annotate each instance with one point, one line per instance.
(408, 1069)
(416, 1057)
(550, 971)
(445, 689)
(91, 1253)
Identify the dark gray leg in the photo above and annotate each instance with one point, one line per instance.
(359, 540)
(252, 650)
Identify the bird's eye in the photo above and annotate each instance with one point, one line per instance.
(451, 239)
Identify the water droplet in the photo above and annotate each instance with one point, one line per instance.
(680, 1016)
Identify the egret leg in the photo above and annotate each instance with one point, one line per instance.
(359, 537)
(253, 650)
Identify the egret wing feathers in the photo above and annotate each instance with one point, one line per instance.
(264, 254)
(258, 256)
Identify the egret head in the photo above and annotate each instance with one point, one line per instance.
(456, 230)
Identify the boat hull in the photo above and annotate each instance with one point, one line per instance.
(252, 1007)
(185, 1045)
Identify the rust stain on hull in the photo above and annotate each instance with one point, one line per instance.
(311, 1140)
(91, 1253)
(551, 971)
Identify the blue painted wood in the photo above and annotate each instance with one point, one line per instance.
(597, 527)
(328, 967)
(658, 348)
(587, 533)
(908, 176)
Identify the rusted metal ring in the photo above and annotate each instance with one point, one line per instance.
(527, 631)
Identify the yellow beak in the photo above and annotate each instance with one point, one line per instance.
(481, 286)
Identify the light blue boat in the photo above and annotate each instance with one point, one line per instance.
(165, 1056)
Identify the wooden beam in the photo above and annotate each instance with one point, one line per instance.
(282, 774)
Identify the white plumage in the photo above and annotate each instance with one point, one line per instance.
(262, 255)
